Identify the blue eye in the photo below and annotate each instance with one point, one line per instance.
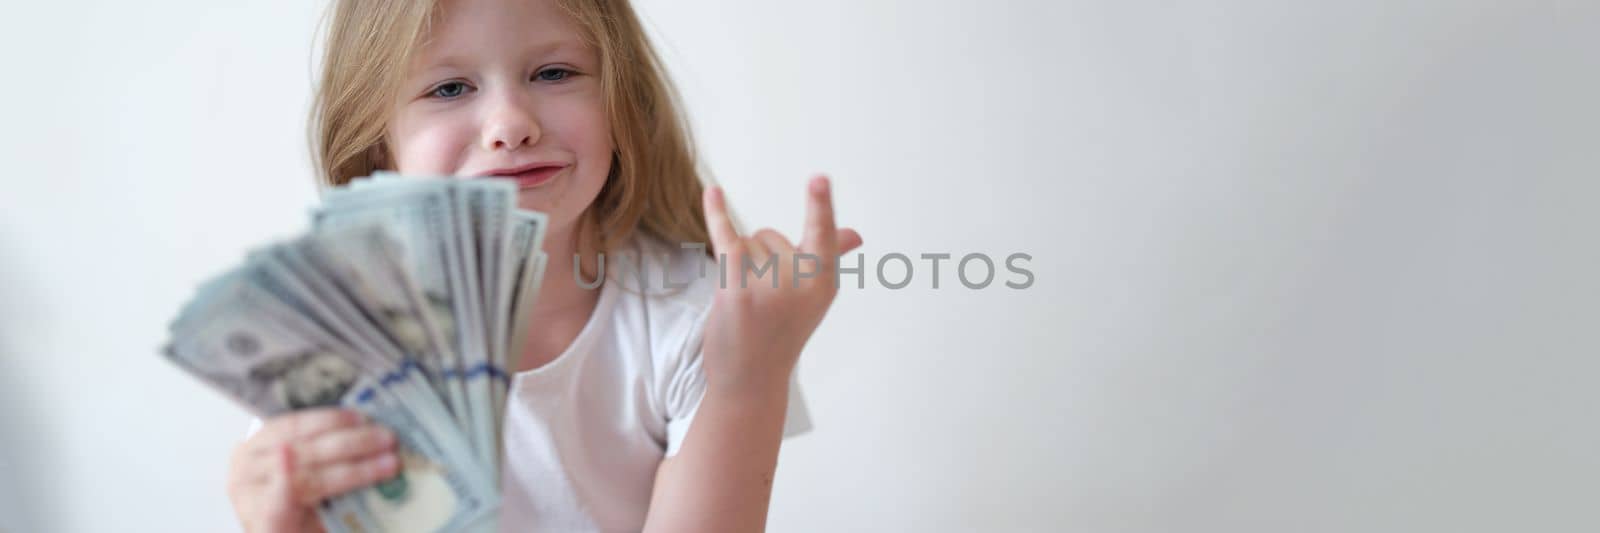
(448, 90)
(560, 74)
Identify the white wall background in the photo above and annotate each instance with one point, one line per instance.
(1301, 266)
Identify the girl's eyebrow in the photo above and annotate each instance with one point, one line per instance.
(542, 49)
(445, 63)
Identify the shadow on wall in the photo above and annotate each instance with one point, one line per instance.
(24, 428)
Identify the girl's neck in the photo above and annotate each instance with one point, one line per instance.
(563, 307)
(560, 292)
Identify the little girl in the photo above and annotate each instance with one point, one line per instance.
(632, 407)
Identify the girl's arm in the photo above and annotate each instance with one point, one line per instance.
(721, 478)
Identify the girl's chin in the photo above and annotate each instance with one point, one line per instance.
(559, 219)
(535, 200)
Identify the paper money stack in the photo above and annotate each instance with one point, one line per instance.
(401, 302)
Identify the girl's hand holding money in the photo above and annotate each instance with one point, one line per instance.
(277, 476)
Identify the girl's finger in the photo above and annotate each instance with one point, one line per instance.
(748, 272)
(779, 250)
(723, 237)
(280, 504)
(338, 478)
(345, 444)
(263, 468)
(775, 242)
(757, 250)
(302, 424)
(311, 523)
(245, 467)
(847, 240)
(820, 237)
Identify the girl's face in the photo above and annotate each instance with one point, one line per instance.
(505, 84)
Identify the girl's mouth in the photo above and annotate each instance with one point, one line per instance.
(531, 178)
(532, 175)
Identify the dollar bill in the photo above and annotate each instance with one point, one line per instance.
(436, 490)
(421, 216)
(409, 300)
(262, 353)
(363, 263)
(524, 265)
(476, 357)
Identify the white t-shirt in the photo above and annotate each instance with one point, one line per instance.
(585, 433)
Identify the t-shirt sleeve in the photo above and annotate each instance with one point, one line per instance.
(686, 384)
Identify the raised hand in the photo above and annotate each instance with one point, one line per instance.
(756, 331)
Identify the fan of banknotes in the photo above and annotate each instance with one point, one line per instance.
(400, 302)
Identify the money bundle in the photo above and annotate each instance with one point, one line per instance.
(401, 302)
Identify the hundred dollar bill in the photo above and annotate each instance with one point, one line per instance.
(481, 211)
(409, 300)
(475, 356)
(274, 270)
(259, 351)
(365, 260)
(312, 294)
(263, 354)
(436, 490)
(496, 201)
(526, 248)
(423, 221)
(525, 268)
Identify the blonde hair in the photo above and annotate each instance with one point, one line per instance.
(654, 184)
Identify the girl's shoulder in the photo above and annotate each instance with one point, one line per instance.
(661, 292)
(664, 274)
(653, 310)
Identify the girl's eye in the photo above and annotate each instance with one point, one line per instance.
(448, 90)
(553, 74)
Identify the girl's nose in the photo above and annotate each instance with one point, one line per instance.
(510, 126)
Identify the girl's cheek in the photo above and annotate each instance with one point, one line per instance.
(435, 148)
(582, 122)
